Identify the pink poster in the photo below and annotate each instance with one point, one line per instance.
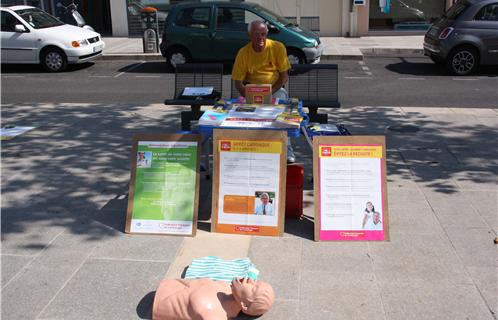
(352, 192)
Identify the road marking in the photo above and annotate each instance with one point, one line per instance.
(148, 76)
(358, 78)
(368, 73)
(464, 79)
(365, 68)
(99, 76)
(130, 68)
(361, 63)
(411, 78)
(7, 76)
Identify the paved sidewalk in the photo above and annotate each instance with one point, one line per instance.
(334, 47)
(64, 197)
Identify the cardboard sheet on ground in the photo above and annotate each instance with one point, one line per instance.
(164, 185)
(350, 188)
(249, 175)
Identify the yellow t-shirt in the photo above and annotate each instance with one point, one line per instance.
(261, 67)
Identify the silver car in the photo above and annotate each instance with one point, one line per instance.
(465, 37)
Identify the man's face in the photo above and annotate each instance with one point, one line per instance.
(264, 200)
(258, 37)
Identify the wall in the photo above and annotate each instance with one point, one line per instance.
(119, 18)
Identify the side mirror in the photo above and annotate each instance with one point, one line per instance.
(20, 28)
(272, 29)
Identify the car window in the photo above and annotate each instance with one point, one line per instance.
(39, 19)
(456, 10)
(234, 19)
(193, 18)
(488, 13)
(9, 22)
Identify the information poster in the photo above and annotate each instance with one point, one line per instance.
(249, 182)
(350, 188)
(164, 186)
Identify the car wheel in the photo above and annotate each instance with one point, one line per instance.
(295, 56)
(177, 56)
(53, 60)
(463, 61)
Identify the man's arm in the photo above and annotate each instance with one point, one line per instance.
(240, 87)
(281, 81)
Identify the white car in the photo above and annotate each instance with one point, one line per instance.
(30, 35)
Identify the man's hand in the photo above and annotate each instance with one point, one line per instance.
(282, 80)
(240, 87)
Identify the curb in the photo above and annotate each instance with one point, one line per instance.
(370, 52)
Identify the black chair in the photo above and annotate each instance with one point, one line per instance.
(195, 75)
(316, 85)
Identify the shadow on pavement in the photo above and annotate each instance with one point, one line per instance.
(144, 307)
(407, 67)
(73, 170)
(36, 68)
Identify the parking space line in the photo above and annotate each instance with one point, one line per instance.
(148, 76)
(129, 69)
(99, 76)
(9, 76)
(411, 78)
(358, 78)
(464, 79)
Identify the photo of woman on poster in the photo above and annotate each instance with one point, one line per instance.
(368, 216)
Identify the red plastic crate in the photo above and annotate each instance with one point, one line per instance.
(294, 191)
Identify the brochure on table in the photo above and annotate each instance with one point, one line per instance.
(164, 186)
(350, 188)
(252, 116)
(249, 182)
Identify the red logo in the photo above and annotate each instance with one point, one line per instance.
(326, 151)
(226, 145)
(258, 99)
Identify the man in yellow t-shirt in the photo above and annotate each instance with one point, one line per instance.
(261, 61)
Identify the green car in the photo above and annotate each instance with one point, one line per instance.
(215, 31)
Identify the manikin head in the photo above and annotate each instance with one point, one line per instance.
(265, 198)
(254, 297)
(258, 31)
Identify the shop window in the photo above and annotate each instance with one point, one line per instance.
(400, 15)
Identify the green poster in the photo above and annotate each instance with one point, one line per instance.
(165, 187)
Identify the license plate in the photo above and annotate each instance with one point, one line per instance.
(97, 48)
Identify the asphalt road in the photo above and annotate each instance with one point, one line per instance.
(376, 81)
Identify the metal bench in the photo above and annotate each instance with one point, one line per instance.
(195, 75)
(316, 85)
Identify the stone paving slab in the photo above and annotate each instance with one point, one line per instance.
(428, 301)
(106, 289)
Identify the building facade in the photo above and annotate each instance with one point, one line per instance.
(326, 17)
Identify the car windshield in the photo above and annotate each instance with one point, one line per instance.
(39, 19)
(456, 10)
(275, 16)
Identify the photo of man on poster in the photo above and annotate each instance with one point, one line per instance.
(264, 204)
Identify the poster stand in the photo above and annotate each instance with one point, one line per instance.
(164, 185)
(350, 188)
(249, 178)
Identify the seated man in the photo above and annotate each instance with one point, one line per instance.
(263, 61)
(210, 299)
